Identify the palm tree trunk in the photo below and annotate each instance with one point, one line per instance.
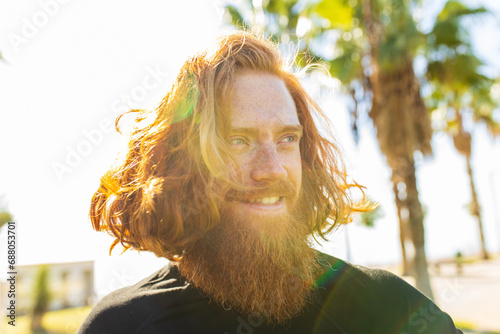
(402, 229)
(476, 211)
(463, 143)
(403, 126)
(417, 229)
(36, 322)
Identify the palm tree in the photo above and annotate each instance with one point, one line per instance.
(373, 46)
(460, 88)
(5, 215)
(41, 298)
(398, 112)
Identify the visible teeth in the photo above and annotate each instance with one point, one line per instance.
(266, 200)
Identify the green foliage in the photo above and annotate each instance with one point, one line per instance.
(448, 30)
(281, 7)
(347, 66)
(5, 217)
(454, 71)
(338, 13)
(454, 10)
(236, 18)
(458, 73)
(369, 218)
(41, 291)
(401, 38)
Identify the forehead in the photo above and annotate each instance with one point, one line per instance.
(261, 100)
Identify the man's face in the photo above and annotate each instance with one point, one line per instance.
(258, 259)
(264, 138)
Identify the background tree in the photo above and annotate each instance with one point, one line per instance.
(5, 215)
(369, 218)
(399, 114)
(461, 93)
(372, 44)
(41, 298)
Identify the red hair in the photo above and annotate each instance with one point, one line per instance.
(166, 194)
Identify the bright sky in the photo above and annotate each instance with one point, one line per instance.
(72, 66)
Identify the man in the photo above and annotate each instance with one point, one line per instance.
(229, 178)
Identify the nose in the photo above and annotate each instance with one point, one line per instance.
(267, 165)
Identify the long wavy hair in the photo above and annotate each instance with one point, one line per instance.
(166, 193)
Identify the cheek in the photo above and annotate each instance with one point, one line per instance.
(239, 170)
(232, 168)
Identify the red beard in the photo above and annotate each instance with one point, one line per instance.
(261, 264)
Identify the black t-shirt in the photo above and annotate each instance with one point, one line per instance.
(348, 299)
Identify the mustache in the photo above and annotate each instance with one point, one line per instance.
(282, 188)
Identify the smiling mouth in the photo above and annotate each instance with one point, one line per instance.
(266, 200)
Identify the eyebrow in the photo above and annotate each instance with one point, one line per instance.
(287, 128)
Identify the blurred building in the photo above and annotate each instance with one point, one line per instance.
(70, 285)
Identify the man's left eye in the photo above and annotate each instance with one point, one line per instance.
(289, 139)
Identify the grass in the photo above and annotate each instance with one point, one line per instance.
(468, 327)
(65, 321)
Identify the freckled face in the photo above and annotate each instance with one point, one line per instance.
(265, 135)
(258, 257)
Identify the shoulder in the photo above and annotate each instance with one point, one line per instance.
(360, 285)
(126, 310)
(339, 273)
(354, 278)
(377, 299)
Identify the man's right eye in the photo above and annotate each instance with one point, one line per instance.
(237, 141)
